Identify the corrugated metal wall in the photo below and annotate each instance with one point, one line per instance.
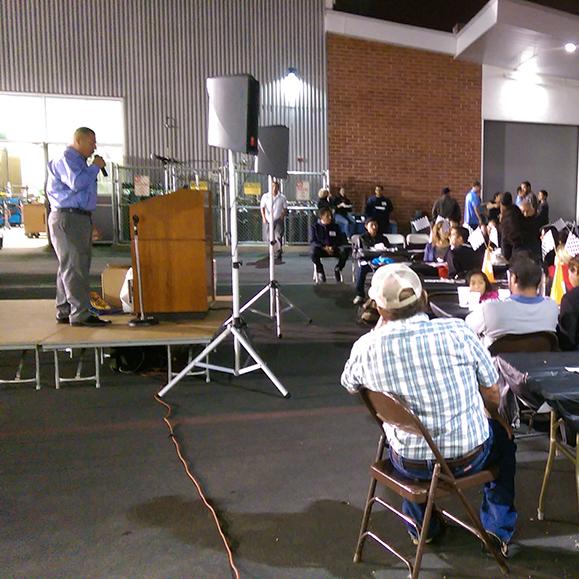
(156, 55)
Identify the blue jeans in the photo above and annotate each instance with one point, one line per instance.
(497, 511)
(346, 223)
(363, 271)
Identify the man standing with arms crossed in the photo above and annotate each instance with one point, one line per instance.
(279, 213)
(72, 193)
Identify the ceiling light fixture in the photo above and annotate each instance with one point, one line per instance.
(570, 47)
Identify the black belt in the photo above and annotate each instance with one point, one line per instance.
(452, 462)
(73, 210)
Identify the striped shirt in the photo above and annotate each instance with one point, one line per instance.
(436, 366)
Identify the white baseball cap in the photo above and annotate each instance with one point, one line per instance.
(389, 282)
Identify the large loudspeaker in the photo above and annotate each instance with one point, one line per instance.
(273, 151)
(233, 113)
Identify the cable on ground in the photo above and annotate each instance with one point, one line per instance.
(197, 485)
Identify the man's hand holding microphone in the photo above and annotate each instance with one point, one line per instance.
(100, 163)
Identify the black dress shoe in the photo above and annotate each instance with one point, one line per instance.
(91, 322)
(62, 320)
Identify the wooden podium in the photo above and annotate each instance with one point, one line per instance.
(175, 251)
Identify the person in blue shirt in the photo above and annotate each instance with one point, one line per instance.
(472, 206)
(379, 207)
(72, 192)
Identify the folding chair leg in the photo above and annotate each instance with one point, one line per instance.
(426, 522)
(550, 461)
(483, 533)
(369, 504)
(365, 521)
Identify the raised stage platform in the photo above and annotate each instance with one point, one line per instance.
(30, 325)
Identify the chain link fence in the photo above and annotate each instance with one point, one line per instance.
(139, 182)
(132, 184)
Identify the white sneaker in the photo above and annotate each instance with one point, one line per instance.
(358, 300)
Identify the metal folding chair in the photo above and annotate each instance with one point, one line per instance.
(390, 409)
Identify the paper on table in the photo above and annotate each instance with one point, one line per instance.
(572, 369)
(379, 246)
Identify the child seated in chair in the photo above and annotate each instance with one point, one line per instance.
(327, 240)
(478, 282)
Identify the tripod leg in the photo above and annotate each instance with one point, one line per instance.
(256, 297)
(292, 306)
(210, 347)
(249, 349)
(277, 313)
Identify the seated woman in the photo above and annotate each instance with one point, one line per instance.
(478, 282)
(437, 248)
(343, 213)
(366, 251)
(325, 199)
(327, 240)
(568, 328)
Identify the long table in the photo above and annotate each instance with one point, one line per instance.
(550, 381)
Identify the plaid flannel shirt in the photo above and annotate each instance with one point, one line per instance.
(436, 366)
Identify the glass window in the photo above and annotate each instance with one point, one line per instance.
(22, 118)
(104, 117)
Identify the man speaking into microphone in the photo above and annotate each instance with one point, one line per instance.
(72, 193)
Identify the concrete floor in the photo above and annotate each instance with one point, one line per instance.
(91, 485)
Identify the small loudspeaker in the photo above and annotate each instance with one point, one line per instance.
(273, 151)
(233, 113)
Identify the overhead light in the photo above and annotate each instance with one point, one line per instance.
(292, 86)
(570, 47)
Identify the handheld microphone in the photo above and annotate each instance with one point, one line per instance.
(104, 172)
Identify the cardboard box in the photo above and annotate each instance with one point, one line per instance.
(112, 279)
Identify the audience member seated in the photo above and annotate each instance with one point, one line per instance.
(327, 240)
(478, 282)
(325, 199)
(461, 257)
(510, 226)
(450, 387)
(446, 207)
(525, 312)
(568, 329)
(343, 214)
(366, 251)
(439, 244)
(380, 207)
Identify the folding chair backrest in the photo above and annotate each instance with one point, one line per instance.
(396, 239)
(417, 239)
(390, 409)
(534, 342)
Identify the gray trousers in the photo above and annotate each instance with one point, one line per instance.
(278, 233)
(71, 236)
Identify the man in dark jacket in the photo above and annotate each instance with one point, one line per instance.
(379, 207)
(327, 240)
(446, 207)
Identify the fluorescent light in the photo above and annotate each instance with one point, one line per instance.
(570, 47)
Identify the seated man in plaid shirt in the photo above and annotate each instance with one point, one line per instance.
(447, 378)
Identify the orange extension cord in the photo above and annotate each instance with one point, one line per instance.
(197, 485)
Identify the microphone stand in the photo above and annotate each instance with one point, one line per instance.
(141, 320)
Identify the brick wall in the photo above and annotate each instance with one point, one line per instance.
(407, 119)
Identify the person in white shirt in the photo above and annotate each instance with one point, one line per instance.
(279, 213)
(525, 312)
